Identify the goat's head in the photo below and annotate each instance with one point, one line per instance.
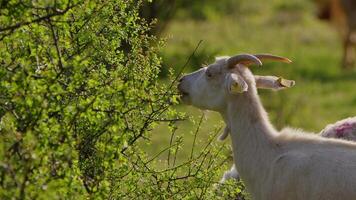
(209, 87)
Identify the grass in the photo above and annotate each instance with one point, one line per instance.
(323, 93)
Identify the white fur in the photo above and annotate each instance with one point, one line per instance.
(336, 130)
(274, 166)
(230, 174)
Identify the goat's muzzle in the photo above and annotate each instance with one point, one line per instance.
(184, 95)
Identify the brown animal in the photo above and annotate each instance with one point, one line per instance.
(342, 13)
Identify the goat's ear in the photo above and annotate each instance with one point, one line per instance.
(273, 82)
(236, 84)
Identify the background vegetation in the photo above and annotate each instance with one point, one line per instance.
(87, 101)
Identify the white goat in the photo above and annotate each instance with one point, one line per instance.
(344, 129)
(274, 166)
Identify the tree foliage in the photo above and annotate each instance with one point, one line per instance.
(78, 90)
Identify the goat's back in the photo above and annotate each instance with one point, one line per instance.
(311, 167)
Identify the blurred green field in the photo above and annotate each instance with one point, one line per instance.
(323, 93)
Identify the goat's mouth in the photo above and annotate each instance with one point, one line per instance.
(182, 93)
(184, 96)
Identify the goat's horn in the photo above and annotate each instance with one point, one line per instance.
(272, 57)
(245, 59)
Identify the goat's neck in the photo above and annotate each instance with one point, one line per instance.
(252, 137)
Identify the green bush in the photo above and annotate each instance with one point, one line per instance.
(79, 88)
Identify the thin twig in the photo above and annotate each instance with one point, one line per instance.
(170, 144)
(55, 40)
(195, 135)
(185, 65)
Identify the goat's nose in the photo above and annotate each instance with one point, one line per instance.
(181, 79)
